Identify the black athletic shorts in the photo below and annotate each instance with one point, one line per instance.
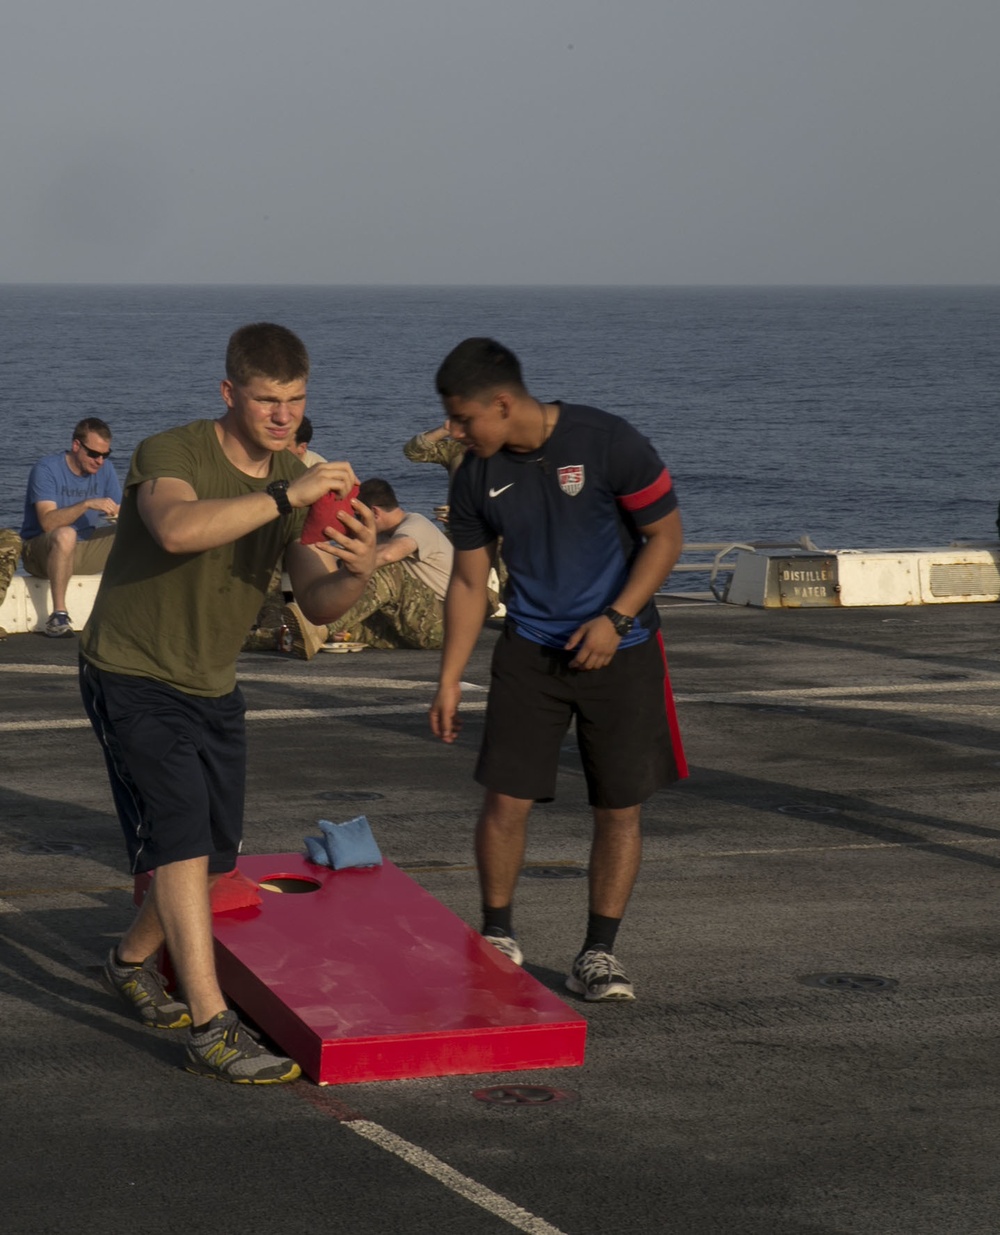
(621, 722)
(177, 766)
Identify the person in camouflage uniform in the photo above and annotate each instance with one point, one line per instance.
(10, 551)
(436, 446)
(403, 602)
(402, 605)
(397, 610)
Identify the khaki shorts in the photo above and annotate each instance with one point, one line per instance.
(89, 558)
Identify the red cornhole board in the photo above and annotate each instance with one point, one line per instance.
(370, 978)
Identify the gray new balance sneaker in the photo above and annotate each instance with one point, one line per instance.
(227, 1051)
(143, 988)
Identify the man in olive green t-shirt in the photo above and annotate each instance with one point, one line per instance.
(208, 510)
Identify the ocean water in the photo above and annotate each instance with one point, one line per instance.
(861, 417)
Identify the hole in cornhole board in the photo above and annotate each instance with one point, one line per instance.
(288, 883)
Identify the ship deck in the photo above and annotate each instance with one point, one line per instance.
(813, 940)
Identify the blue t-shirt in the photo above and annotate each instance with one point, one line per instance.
(569, 515)
(51, 480)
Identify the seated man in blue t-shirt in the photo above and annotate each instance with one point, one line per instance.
(69, 512)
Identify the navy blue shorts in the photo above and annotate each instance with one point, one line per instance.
(621, 722)
(177, 766)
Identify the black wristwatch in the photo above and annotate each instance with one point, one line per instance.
(278, 489)
(620, 621)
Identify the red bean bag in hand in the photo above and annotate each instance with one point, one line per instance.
(323, 514)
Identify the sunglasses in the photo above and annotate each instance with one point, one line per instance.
(95, 454)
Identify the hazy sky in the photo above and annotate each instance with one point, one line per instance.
(518, 141)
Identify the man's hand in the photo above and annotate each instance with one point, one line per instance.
(352, 540)
(596, 642)
(319, 480)
(106, 505)
(325, 589)
(444, 718)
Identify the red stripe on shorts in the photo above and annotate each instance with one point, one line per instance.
(675, 729)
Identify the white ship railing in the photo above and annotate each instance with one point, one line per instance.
(710, 557)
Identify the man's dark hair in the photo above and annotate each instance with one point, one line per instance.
(378, 492)
(476, 367)
(91, 424)
(263, 349)
(304, 433)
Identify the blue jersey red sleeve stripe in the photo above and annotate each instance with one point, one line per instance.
(646, 497)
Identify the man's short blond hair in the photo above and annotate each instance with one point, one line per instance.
(263, 349)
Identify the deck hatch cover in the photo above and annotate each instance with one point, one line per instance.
(554, 872)
(350, 795)
(522, 1095)
(807, 809)
(866, 983)
(50, 848)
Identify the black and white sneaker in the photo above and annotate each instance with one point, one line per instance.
(58, 625)
(506, 944)
(596, 975)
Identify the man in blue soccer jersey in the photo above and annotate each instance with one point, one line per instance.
(591, 530)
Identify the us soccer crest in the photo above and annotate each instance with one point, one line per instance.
(571, 479)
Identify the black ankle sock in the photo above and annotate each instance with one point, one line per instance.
(601, 933)
(201, 1028)
(498, 921)
(127, 964)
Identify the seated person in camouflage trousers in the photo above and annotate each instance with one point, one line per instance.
(10, 551)
(402, 605)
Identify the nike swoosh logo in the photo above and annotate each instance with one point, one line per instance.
(497, 492)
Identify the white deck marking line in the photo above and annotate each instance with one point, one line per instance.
(262, 714)
(885, 705)
(280, 679)
(777, 853)
(787, 692)
(285, 679)
(900, 706)
(834, 692)
(62, 671)
(475, 1192)
(375, 709)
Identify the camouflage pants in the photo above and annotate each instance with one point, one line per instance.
(10, 551)
(396, 610)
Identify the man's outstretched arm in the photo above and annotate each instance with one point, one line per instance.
(181, 522)
(465, 607)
